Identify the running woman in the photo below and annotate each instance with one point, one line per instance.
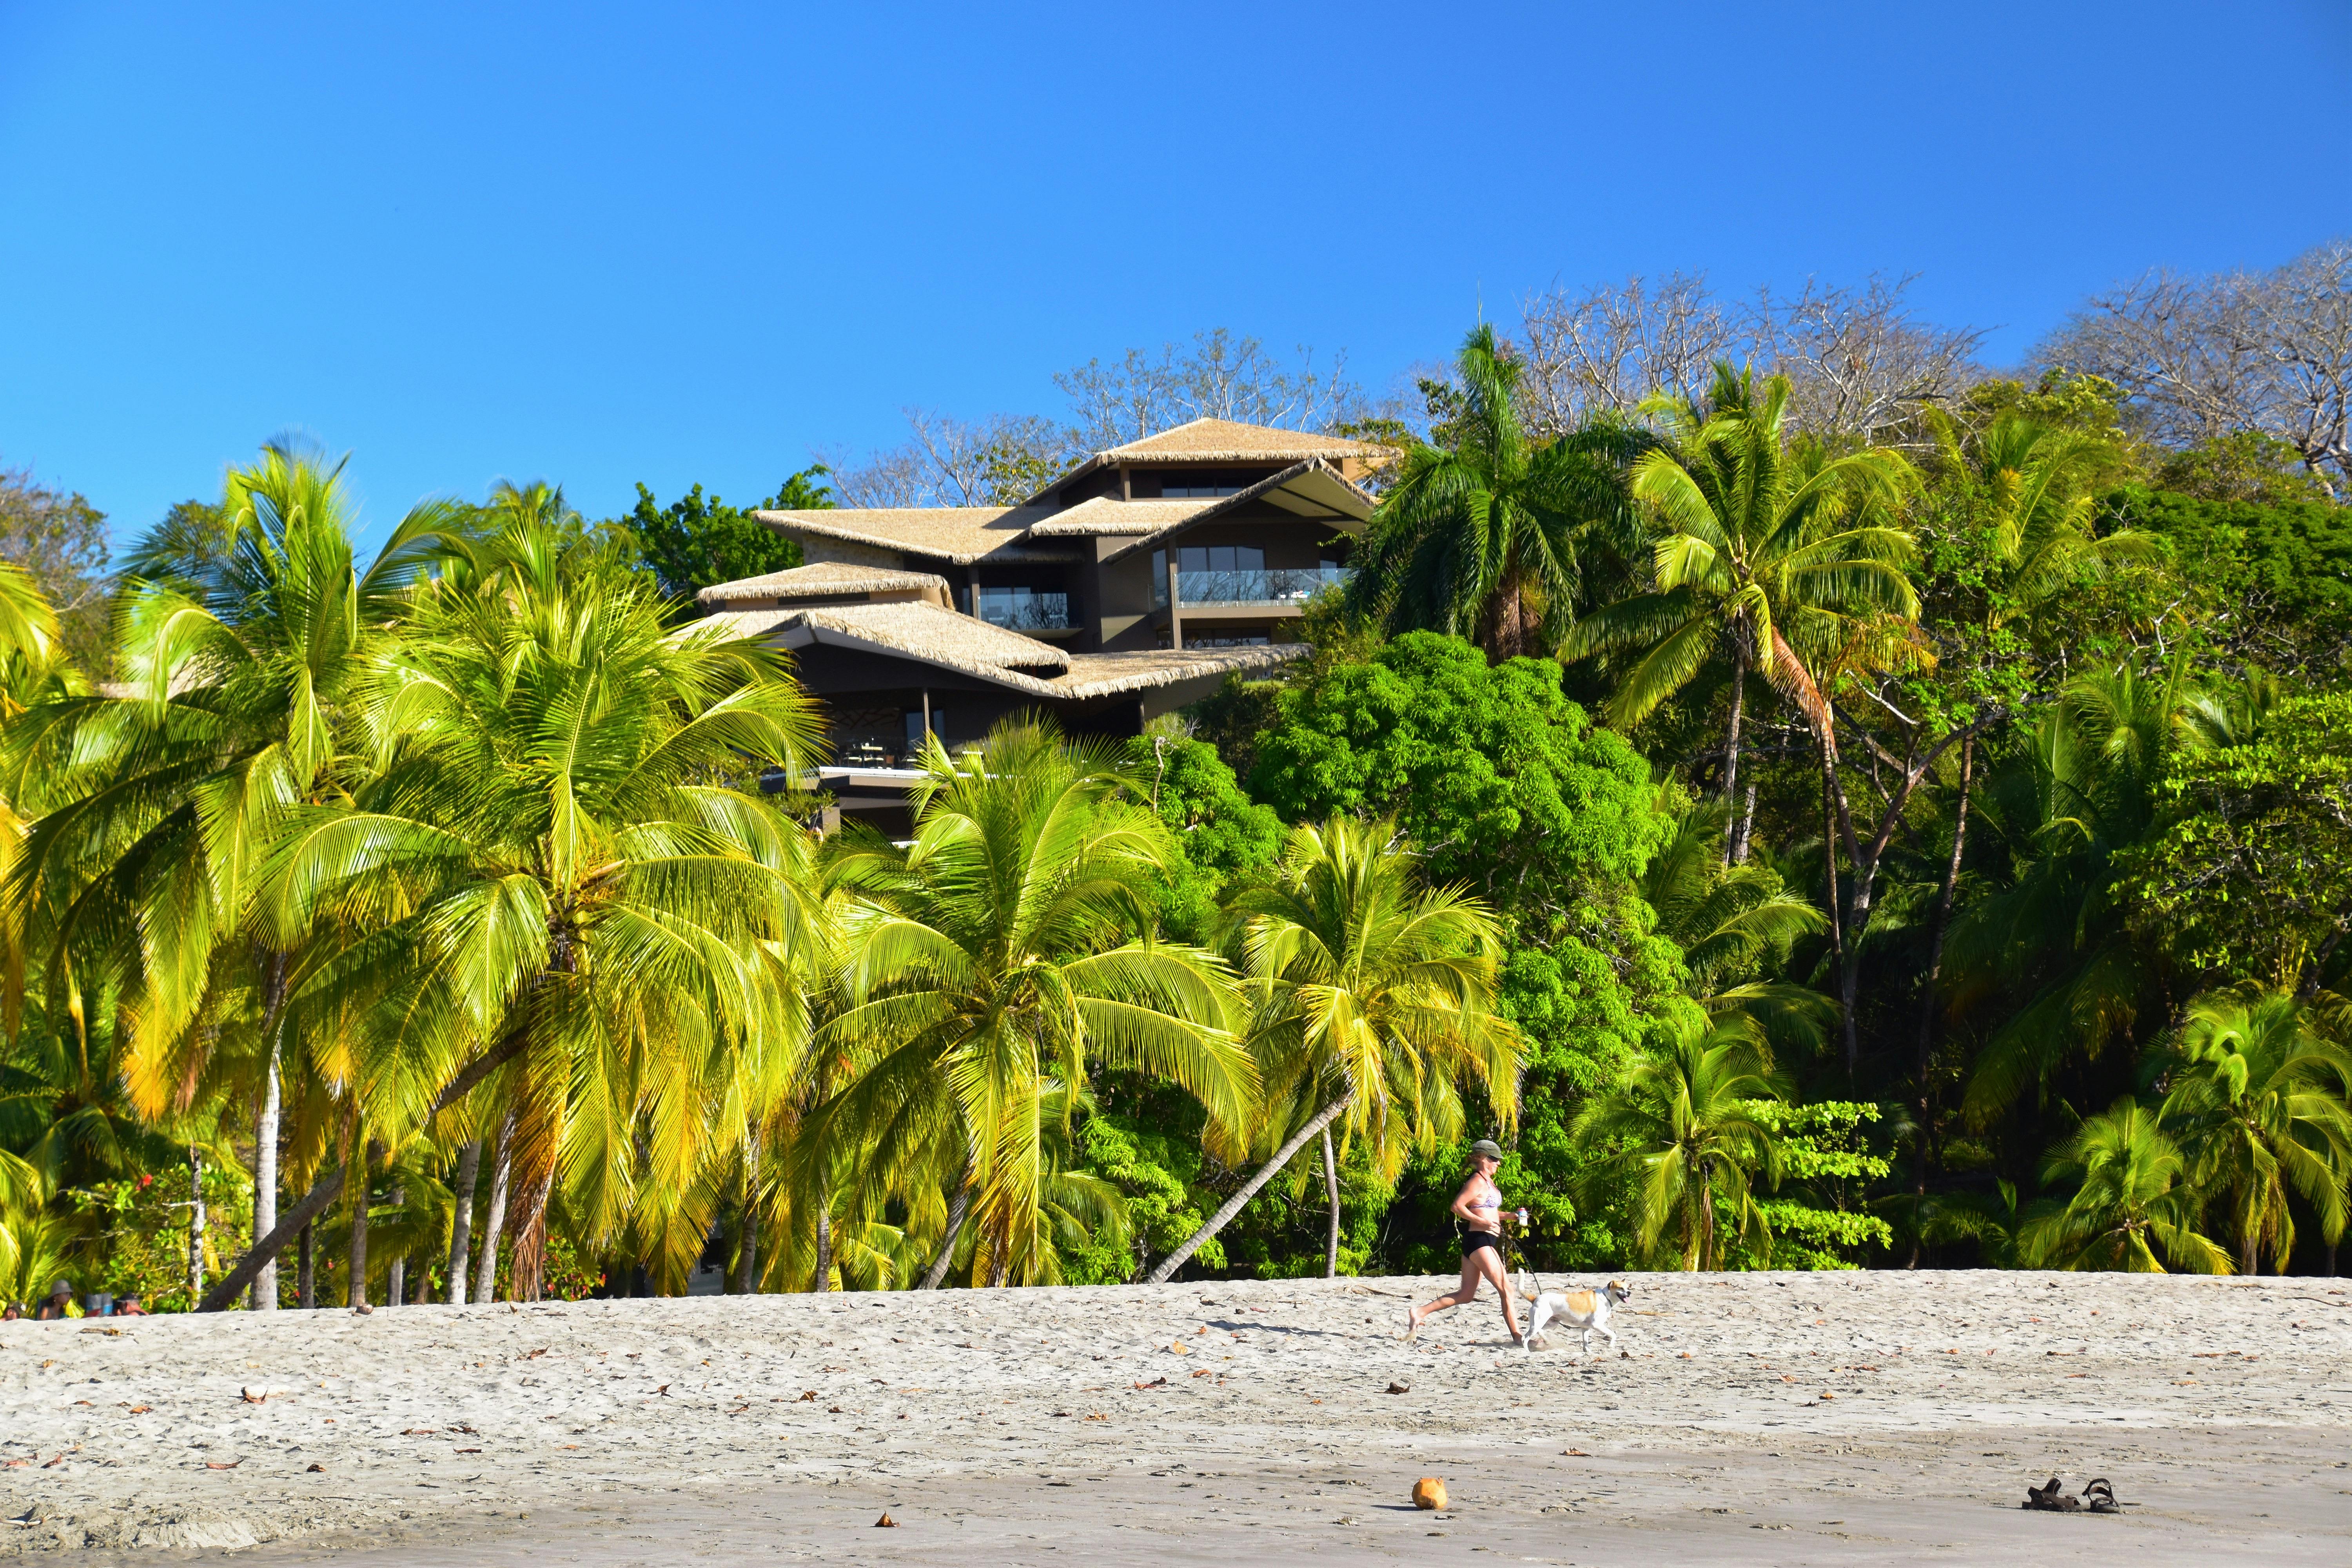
(1479, 1205)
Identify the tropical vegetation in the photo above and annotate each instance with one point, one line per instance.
(1815, 812)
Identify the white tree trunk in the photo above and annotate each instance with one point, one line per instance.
(461, 1223)
(485, 1275)
(1331, 1190)
(958, 1206)
(1232, 1205)
(397, 1283)
(195, 1223)
(263, 1297)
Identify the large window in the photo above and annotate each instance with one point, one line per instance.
(1237, 574)
(1024, 609)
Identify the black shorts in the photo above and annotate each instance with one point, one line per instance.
(1475, 1239)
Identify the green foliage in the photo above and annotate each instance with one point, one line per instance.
(2251, 876)
(2242, 466)
(139, 1231)
(2271, 585)
(1825, 1152)
(1511, 788)
(1153, 1169)
(694, 543)
(1223, 836)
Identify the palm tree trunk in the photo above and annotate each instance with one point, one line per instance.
(1232, 1205)
(1927, 988)
(486, 1272)
(1831, 901)
(461, 1223)
(1735, 849)
(306, 1273)
(747, 1276)
(396, 1279)
(1331, 1190)
(526, 1270)
(263, 1297)
(821, 1280)
(1705, 1214)
(958, 1208)
(195, 1223)
(357, 1295)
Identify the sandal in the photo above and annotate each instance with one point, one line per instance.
(2050, 1499)
(2100, 1497)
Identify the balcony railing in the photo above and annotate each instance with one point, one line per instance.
(1268, 586)
(1027, 612)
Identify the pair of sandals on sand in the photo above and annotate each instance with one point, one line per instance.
(2099, 1496)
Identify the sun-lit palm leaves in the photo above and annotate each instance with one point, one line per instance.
(2134, 1201)
(1766, 558)
(2258, 1104)
(1491, 536)
(2038, 482)
(1372, 1003)
(991, 961)
(554, 861)
(1678, 1134)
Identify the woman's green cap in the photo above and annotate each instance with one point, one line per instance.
(1487, 1147)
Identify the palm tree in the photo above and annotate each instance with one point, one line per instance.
(2133, 1202)
(2083, 791)
(241, 653)
(557, 869)
(2038, 484)
(1679, 1129)
(1734, 924)
(1485, 536)
(991, 963)
(1766, 560)
(1374, 999)
(2259, 1103)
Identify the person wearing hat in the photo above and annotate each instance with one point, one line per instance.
(1479, 1207)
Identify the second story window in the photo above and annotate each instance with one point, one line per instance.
(1184, 491)
(1024, 609)
(1237, 574)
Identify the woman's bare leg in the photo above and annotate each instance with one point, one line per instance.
(1490, 1265)
(1466, 1292)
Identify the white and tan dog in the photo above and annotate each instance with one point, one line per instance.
(1585, 1309)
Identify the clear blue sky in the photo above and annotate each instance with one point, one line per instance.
(604, 243)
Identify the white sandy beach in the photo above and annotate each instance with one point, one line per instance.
(1819, 1417)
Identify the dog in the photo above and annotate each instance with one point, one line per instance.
(1585, 1309)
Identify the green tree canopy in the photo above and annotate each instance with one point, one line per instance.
(696, 541)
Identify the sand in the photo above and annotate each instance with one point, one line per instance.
(1756, 1419)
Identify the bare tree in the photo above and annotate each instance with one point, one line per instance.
(1220, 376)
(2206, 356)
(946, 461)
(1859, 360)
(1605, 349)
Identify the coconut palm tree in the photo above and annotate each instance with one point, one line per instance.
(1734, 924)
(2259, 1105)
(1765, 559)
(1489, 535)
(2081, 791)
(2134, 1200)
(240, 659)
(1373, 1002)
(561, 883)
(1679, 1132)
(991, 960)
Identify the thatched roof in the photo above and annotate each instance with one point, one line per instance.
(1094, 675)
(925, 633)
(1228, 441)
(1312, 488)
(957, 535)
(1106, 514)
(824, 579)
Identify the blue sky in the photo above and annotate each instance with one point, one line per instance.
(689, 242)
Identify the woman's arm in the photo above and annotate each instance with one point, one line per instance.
(1462, 1208)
